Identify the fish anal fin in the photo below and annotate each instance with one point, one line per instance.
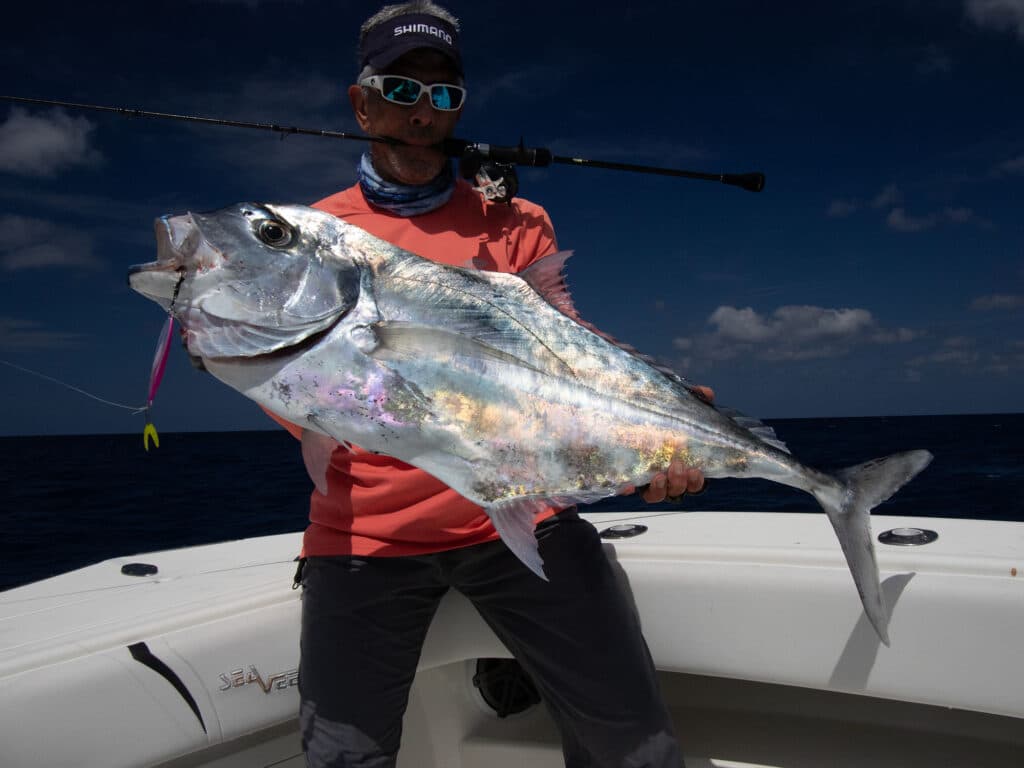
(514, 521)
(316, 455)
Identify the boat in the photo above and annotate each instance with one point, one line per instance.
(189, 657)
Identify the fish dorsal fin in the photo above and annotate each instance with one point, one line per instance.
(757, 428)
(547, 277)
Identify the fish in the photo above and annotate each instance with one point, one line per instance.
(489, 381)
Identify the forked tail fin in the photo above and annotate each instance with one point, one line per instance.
(848, 506)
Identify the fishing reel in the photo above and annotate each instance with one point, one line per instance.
(495, 180)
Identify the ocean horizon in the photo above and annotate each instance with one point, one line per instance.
(73, 500)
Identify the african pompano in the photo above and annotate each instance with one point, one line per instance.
(487, 381)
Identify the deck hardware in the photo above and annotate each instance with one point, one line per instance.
(908, 537)
(139, 569)
(623, 531)
(505, 686)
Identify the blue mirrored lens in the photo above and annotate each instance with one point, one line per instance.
(401, 90)
(443, 97)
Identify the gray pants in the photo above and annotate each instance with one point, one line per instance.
(364, 620)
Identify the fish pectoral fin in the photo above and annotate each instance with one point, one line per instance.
(514, 521)
(316, 455)
(410, 340)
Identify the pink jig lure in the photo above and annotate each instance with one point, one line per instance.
(156, 374)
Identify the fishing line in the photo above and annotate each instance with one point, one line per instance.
(155, 376)
(156, 579)
(133, 408)
(76, 593)
(637, 514)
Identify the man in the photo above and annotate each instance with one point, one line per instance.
(388, 540)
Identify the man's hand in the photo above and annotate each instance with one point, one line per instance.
(678, 479)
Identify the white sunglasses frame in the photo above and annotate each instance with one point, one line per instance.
(377, 83)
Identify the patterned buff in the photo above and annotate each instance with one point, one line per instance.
(402, 199)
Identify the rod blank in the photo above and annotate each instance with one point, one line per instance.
(518, 155)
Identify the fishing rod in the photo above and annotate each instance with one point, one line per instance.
(540, 157)
(473, 156)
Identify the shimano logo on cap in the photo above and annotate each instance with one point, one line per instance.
(386, 42)
(423, 29)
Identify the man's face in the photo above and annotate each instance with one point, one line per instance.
(419, 125)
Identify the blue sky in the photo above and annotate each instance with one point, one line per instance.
(880, 272)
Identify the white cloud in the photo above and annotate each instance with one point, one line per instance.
(840, 209)
(899, 220)
(998, 15)
(998, 301)
(934, 61)
(959, 215)
(1014, 165)
(27, 334)
(792, 332)
(955, 350)
(1009, 359)
(34, 243)
(965, 352)
(32, 145)
(894, 336)
(891, 195)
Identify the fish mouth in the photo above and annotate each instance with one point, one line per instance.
(177, 240)
(180, 250)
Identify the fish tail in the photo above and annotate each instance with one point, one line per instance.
(848, 504)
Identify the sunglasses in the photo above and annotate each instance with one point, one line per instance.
(406, 91)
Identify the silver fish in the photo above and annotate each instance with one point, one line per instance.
(488, 381)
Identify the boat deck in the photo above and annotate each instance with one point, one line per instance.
(765, 656)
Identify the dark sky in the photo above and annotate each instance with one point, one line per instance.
(880, 272)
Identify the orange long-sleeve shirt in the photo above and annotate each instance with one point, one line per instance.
(377, 505)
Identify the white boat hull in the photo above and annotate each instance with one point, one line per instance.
(765, 656)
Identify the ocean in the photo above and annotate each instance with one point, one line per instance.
(71, 501)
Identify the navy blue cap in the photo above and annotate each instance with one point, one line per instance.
(394, 37)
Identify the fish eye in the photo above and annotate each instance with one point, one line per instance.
(275, 233)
